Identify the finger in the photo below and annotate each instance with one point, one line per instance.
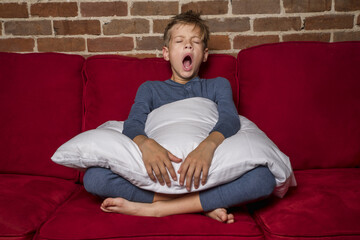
(180, 168)
(182, 171)
(165, 175)
(150, 173)
(189, 176)
(197, 174)
(205, 173)
(171, 170)
(173, 158)
(158, 175)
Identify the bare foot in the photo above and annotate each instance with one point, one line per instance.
(221, 215)
(121, 205)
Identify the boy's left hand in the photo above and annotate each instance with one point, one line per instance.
(199, 161)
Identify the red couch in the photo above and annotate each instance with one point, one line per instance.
(303, 95)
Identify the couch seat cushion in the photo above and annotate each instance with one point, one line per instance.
(112, 82)
(81, 218)
(41, 108)
(326, 203)
(27, 201)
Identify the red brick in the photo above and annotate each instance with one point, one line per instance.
(17, 45)
(219, 42)
(54, 9)
(13, 10)
(61, 44)
(159, 25)
(347, 5)
(42, 27)
(243, 41)
(154, 8)
(329, 22)
(207, 7)
(127, 26)
(346, 36)
(149, 43)
(77, 27)
(110, 44)
(277, 24)
(299, 6)
(229, 24)
(98, 9)
(321, 37)
(255, 6)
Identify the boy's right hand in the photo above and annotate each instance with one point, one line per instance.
(157, 160)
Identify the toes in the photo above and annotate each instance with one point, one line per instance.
(108, 201)
(106, 204)
(105, 209)
(223, 215)
(112, 204)
(219, 214)
(218, 218)
(231, 218)
(230, 221)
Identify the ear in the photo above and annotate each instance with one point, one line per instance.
(206, 54)
(166, 53)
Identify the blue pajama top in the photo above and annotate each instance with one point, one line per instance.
(154, 94)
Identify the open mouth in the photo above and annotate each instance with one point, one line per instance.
(187, 62)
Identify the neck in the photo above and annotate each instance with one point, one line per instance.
(181, 80)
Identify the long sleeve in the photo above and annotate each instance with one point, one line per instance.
(229, 122)
(135, 124)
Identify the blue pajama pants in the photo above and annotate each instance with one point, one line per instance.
(254, 185)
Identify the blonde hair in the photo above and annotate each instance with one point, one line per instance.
(190, 17)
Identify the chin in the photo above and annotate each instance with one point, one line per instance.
(189, 75)
(186, 77)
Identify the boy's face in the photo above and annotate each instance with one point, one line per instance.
(185, 52)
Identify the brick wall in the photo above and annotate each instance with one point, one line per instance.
(134, 27)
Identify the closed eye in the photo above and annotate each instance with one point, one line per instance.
(196, 40)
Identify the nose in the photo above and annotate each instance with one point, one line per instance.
(188, 45)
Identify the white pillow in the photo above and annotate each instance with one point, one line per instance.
(179, 127)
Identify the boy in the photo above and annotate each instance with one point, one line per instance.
(185, 47)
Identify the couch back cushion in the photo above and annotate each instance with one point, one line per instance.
(305, 97)
(112, 83)
(41, 106)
